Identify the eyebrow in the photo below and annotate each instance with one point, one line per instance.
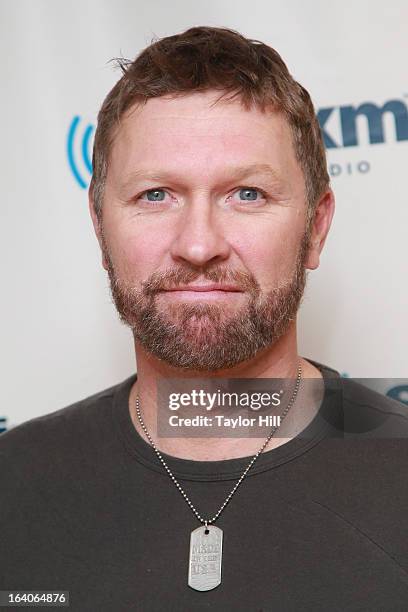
(234, 173)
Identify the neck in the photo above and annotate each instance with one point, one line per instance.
(279, 361)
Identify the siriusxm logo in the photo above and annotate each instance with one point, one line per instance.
(341, 127)
(399, 393)
(347, 117)
(79, 151)
(3, 426)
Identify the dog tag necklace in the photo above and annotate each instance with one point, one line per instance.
(205, 557)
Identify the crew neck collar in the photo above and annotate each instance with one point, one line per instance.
(327, 423)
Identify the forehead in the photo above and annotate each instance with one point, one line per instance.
(202, 136)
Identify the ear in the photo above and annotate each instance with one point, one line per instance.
(320, 228)
(97, 222)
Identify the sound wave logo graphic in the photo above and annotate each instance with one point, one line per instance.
(79, 151)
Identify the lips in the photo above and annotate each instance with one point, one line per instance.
(209, 287)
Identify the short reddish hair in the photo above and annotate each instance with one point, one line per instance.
(208, 58)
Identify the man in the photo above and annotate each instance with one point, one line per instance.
(210, 199)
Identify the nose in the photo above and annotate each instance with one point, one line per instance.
(200, 238)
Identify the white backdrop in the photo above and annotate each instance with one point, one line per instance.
(61, 337)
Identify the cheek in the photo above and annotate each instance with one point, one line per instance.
(136, 253)
(268, 251)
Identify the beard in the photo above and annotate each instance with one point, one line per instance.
(204, 336)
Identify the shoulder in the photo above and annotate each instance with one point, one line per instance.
(371, 413)
(56, 431)
(364, 411)
(53, 459)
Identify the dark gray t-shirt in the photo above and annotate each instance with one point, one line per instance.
(319, 523)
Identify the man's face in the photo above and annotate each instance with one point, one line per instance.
(204, 197)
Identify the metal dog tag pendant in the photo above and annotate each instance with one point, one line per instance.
(205, 560)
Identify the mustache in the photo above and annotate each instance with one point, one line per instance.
(171, 278)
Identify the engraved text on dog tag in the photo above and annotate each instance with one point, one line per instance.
(204, 571)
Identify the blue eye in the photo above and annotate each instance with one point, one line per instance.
(248, 194)
(157, 195)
